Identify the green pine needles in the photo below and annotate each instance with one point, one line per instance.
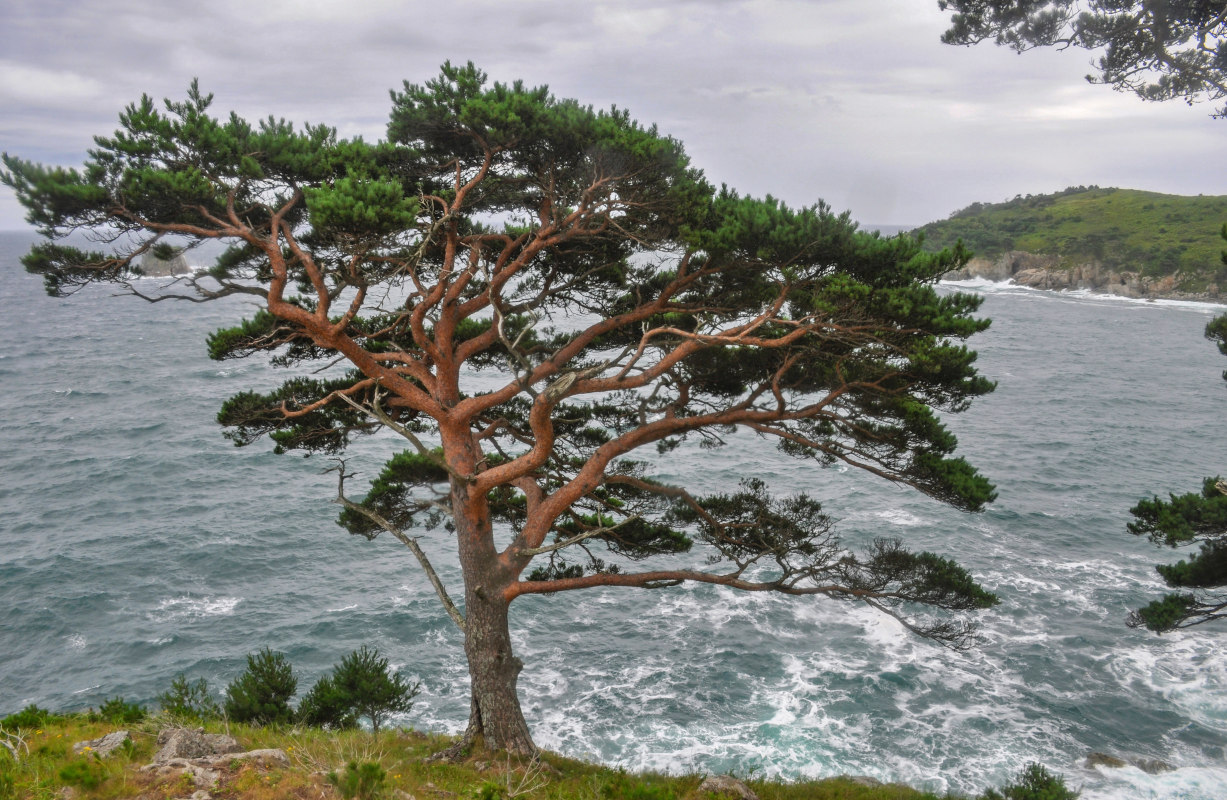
(261, 694)
(1184, 520)
(189, 701)
(362, 685)
(361, 780)
(1034, 783)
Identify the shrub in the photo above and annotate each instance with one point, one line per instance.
(364, 780)
(326, 707)
(261, 695)
(488, 790)
(360, 686)
(1034, 783)
(189, 700)
(119, 712)
(86, 774)
(29, 717)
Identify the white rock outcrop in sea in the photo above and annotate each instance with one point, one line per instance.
(1046, 272)
(1151, 766)
(156, 267)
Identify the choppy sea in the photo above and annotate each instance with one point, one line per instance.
(137, 543)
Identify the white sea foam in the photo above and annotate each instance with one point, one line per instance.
(1130, 783)
(1189, 305)
(76, 641)
(899, 516)
(1009, 286)
(187, 607)
(1186, 668)
(980, 283)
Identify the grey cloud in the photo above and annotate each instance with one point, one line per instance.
(854, 101)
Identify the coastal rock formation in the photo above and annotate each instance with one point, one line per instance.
(202, 777)
(1151, 766)
(204, 757)
(188, 743)
(156, 267)
(726, 786)
(105, 746)
(1003, 268)
(1046, 272)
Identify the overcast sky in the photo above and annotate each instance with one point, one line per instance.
(855, 102)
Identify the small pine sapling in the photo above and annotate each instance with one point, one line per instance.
(261, 695)
(363, 686)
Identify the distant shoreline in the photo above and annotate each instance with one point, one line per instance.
(1048, 273)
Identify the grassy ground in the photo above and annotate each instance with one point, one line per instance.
(323, 765)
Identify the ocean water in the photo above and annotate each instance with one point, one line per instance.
(137, 543)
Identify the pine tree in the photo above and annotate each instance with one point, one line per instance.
(527, 291)
(261, 694)
(1176, 49)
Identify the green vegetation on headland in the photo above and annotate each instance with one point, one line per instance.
(38, 760)
(1152, 234)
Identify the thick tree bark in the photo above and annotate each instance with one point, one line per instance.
(493, 671)
(493, 668)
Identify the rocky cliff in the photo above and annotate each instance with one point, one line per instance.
(1047, 272)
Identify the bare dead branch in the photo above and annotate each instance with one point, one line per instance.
(409, 541)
